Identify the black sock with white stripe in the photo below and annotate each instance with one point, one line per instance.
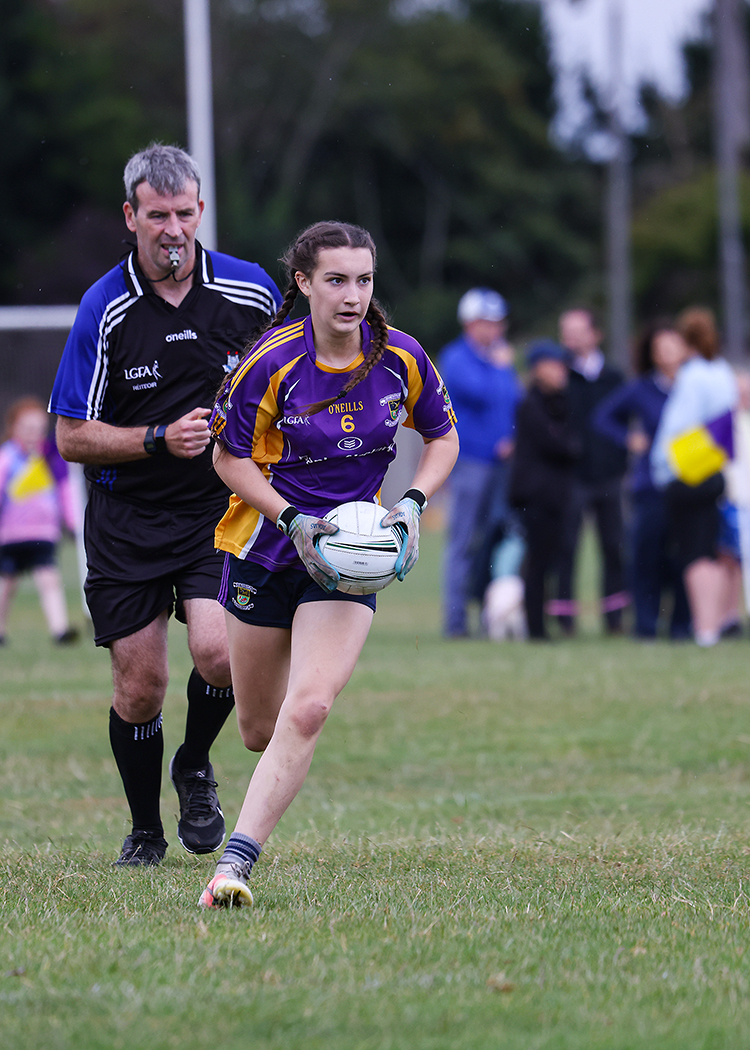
(139, 752)
(240, 849)
(208, 709)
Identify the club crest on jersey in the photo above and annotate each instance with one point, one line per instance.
(232, 361)
(393, 403)
(243, 594)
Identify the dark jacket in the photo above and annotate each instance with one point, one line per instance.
(546, 451)
(642, 401)
(600, 459)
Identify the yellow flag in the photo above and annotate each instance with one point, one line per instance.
(35, 477)
(695, 456)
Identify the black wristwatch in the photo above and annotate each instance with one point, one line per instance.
(155, 443)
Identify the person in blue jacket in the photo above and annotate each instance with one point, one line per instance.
(630, 417)
(479, 373)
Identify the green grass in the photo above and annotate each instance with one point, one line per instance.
(498, 845)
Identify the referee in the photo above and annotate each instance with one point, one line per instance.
(150, 345)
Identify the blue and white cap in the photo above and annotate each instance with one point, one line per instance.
(482, 304)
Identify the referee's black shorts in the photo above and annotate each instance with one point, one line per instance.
(143, 559)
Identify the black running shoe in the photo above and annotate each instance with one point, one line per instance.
(142, 848)
(69, 637)
(201, 827)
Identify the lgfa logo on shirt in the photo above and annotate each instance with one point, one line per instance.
(143, 371)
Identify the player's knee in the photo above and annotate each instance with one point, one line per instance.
(255, 738)
(255, 732)
(138, 698)
(213, 667)
(309, 715)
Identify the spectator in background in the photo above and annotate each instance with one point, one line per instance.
(598, 475)
(704, 392)
(542, 474)
(735, 513)
(36, 500)
(478, 371)
(629, 417)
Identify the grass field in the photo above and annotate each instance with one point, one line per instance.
(498, 846)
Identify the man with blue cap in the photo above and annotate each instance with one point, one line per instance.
(478, 371)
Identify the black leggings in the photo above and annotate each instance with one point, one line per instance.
(543, 530)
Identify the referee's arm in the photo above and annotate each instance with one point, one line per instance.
(92, 441)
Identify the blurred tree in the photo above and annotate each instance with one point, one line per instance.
(428, 125)
(675, 246)
(64, 129)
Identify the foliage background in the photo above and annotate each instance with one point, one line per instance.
(429, 124)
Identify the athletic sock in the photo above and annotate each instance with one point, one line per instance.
(240, 849)
(208, 709)
(139, 750)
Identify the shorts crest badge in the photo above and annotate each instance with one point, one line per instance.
(243, 595)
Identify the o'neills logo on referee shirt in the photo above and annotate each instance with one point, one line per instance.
(187, 334)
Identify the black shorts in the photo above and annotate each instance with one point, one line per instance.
(694, 519)
(258, 596)
(16, 558)
(145, 559)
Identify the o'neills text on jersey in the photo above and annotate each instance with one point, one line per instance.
(347, 406)
(187, 334)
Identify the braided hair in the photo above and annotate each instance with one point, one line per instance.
(302, 256)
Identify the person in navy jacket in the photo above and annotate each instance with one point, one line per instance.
(597, 485)
(630, 417)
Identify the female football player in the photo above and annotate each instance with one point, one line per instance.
(306, 422)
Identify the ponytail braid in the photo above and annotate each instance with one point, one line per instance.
(285, 309)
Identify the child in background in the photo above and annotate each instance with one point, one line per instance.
(35, 501)
(541, 476)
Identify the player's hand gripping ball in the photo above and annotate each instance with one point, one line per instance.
(405, 516)
(362, 552)
(305, 531)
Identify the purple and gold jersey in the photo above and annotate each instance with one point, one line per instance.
(339, 454)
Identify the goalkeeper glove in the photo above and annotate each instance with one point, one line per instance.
(303, 530)
(405, 516)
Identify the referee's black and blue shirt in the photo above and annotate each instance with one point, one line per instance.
(133, 359)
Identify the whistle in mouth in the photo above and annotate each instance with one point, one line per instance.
(174, 256)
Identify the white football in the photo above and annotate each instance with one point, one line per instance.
(362, 552)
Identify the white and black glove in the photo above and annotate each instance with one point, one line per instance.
(303, 530)
(405, 516)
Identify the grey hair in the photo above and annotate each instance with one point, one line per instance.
(166, 168)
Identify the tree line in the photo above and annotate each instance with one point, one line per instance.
(429, 125)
